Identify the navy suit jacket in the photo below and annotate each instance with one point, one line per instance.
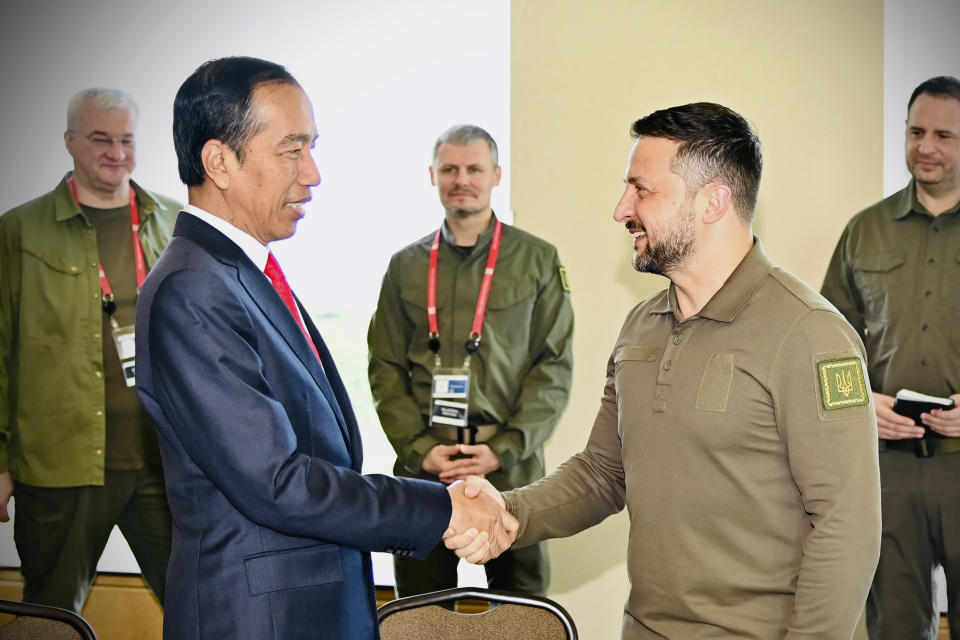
(273, 521)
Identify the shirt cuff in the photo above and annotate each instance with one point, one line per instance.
(507, 445)
(417, 451)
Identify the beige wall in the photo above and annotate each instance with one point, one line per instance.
(807, 75)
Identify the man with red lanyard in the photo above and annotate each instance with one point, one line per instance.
(77, 450)
(470, 354)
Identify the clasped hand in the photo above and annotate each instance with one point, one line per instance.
(452, 462)
(480, 527)
(893, 426)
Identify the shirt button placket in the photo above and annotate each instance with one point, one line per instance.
(664, 377)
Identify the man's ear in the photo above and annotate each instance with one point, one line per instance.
(433, 176)
(216, 157)
(717, 199)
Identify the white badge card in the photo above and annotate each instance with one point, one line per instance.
(451, 383)
(449, 397)
(125, 340)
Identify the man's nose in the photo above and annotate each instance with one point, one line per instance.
(624, 209)
(309, 174)
(116, 150)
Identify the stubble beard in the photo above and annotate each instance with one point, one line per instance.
(948, 180)
(462, 213)
(671, 253)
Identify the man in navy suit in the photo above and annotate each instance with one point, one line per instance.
(273, 522)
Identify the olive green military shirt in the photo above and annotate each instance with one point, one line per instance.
(741, 442)
(521, 375)
(895, 275)
(52, 406)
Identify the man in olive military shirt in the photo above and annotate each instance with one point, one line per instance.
(77, 449)
(895, 275)
(736, 420)
(519, 374)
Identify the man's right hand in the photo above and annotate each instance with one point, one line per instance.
(480, 527)
(479, 548)
(6, 490)
(890, 424)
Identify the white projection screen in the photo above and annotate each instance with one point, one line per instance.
(385, 78)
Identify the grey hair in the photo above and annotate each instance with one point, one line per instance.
(464, 134)
(101, 99)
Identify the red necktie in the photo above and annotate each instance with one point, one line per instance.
(279, 282)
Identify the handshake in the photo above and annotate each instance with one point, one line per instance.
(480, 527)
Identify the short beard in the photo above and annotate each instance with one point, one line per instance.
(672, 252)
(463, 213)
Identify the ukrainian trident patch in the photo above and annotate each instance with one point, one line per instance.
(842, 384)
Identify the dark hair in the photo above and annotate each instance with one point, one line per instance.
(214, 104)
(716, 145)
(940, 86)
(464, 134)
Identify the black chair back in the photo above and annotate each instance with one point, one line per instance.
(40, 622)
(522, 616)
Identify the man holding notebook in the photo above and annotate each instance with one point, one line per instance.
(895, 275)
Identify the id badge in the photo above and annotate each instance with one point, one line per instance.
(449, 397)
(124, 339)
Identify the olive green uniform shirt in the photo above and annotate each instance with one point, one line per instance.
(52, 404)
(753, 490)
(895, 275)
(521, 375)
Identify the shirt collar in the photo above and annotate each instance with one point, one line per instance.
(735, 293)
(909, 203)
(67, 206)
(481, 239)
(257, 253)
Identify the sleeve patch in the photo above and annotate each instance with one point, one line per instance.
(842, 383)
(563, 279)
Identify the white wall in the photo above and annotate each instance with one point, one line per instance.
(386, 78)
(920, 41)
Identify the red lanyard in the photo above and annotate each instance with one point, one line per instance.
(137, 250)
(474, 341)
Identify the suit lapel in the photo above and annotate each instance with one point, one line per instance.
(340, 400)
(261, 291)
(273, 307)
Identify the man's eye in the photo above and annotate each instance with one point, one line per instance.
(294, 153)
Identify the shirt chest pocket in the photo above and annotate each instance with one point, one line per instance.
(510, 310)
(635, 373)
(55, 284)
(630, 356)
(414, 301)
(880, 279)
